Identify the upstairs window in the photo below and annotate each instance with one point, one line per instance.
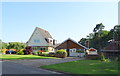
(37, 41)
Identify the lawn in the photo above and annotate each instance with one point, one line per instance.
(85, 67)
(16, 57)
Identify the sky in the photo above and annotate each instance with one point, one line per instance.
(63, 20)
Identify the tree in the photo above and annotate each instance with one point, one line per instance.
(98, 31)
(82, 41)
(98, 28)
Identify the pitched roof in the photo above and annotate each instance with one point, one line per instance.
(113, 45)
(73, 41)
(44, 33)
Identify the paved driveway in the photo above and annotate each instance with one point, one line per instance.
(30, 66)
(41, 62)
(13, 68)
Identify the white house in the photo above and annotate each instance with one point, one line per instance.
(41, 40)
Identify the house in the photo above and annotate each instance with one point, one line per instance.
(72, 47)
(92, 51)
(112, 49)
(41, 40)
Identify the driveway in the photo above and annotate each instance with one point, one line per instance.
(13, 68)
(30, 66)
(41, 62)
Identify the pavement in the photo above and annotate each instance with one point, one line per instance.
(41, 62)
(14, 68)
(30, 66)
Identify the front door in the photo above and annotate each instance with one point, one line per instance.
(68, 52)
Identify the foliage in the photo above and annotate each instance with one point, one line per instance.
(39, 52)
(82, 41)
(20, 52)
(79, 51)
(12, 45)
(99, 38)
(51, 54)
(28, 50)
(46, 50)
(45, 53)
(61, 51)
(4, 51)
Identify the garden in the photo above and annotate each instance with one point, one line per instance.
(28, 53)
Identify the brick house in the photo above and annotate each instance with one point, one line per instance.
(70, 45)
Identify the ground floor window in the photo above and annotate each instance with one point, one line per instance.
(42, 48)
(34, 48)
(39, 48)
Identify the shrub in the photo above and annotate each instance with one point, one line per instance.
(4, 51)
(79, 51)
(20, 52)
(104, 59)
(51, 54)
(44, 53)
(39, 52)
(61, 53)
(46, 50)
(28, 50)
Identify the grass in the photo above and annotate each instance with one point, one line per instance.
(16, 57)
(85, 67)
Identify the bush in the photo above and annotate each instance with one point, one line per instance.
(79, 51)
(44, 53)
(104, 59)
(51, 54)
(28, 50)
(4, 51)
(20, 52)
(61, 53)
(46, 50)
(39, 52)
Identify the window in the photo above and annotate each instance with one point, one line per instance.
(50, 40)
(43, 48)
(34, 48)
(37, 41)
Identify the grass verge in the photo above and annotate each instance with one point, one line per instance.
(16, 57)
(85, 67)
